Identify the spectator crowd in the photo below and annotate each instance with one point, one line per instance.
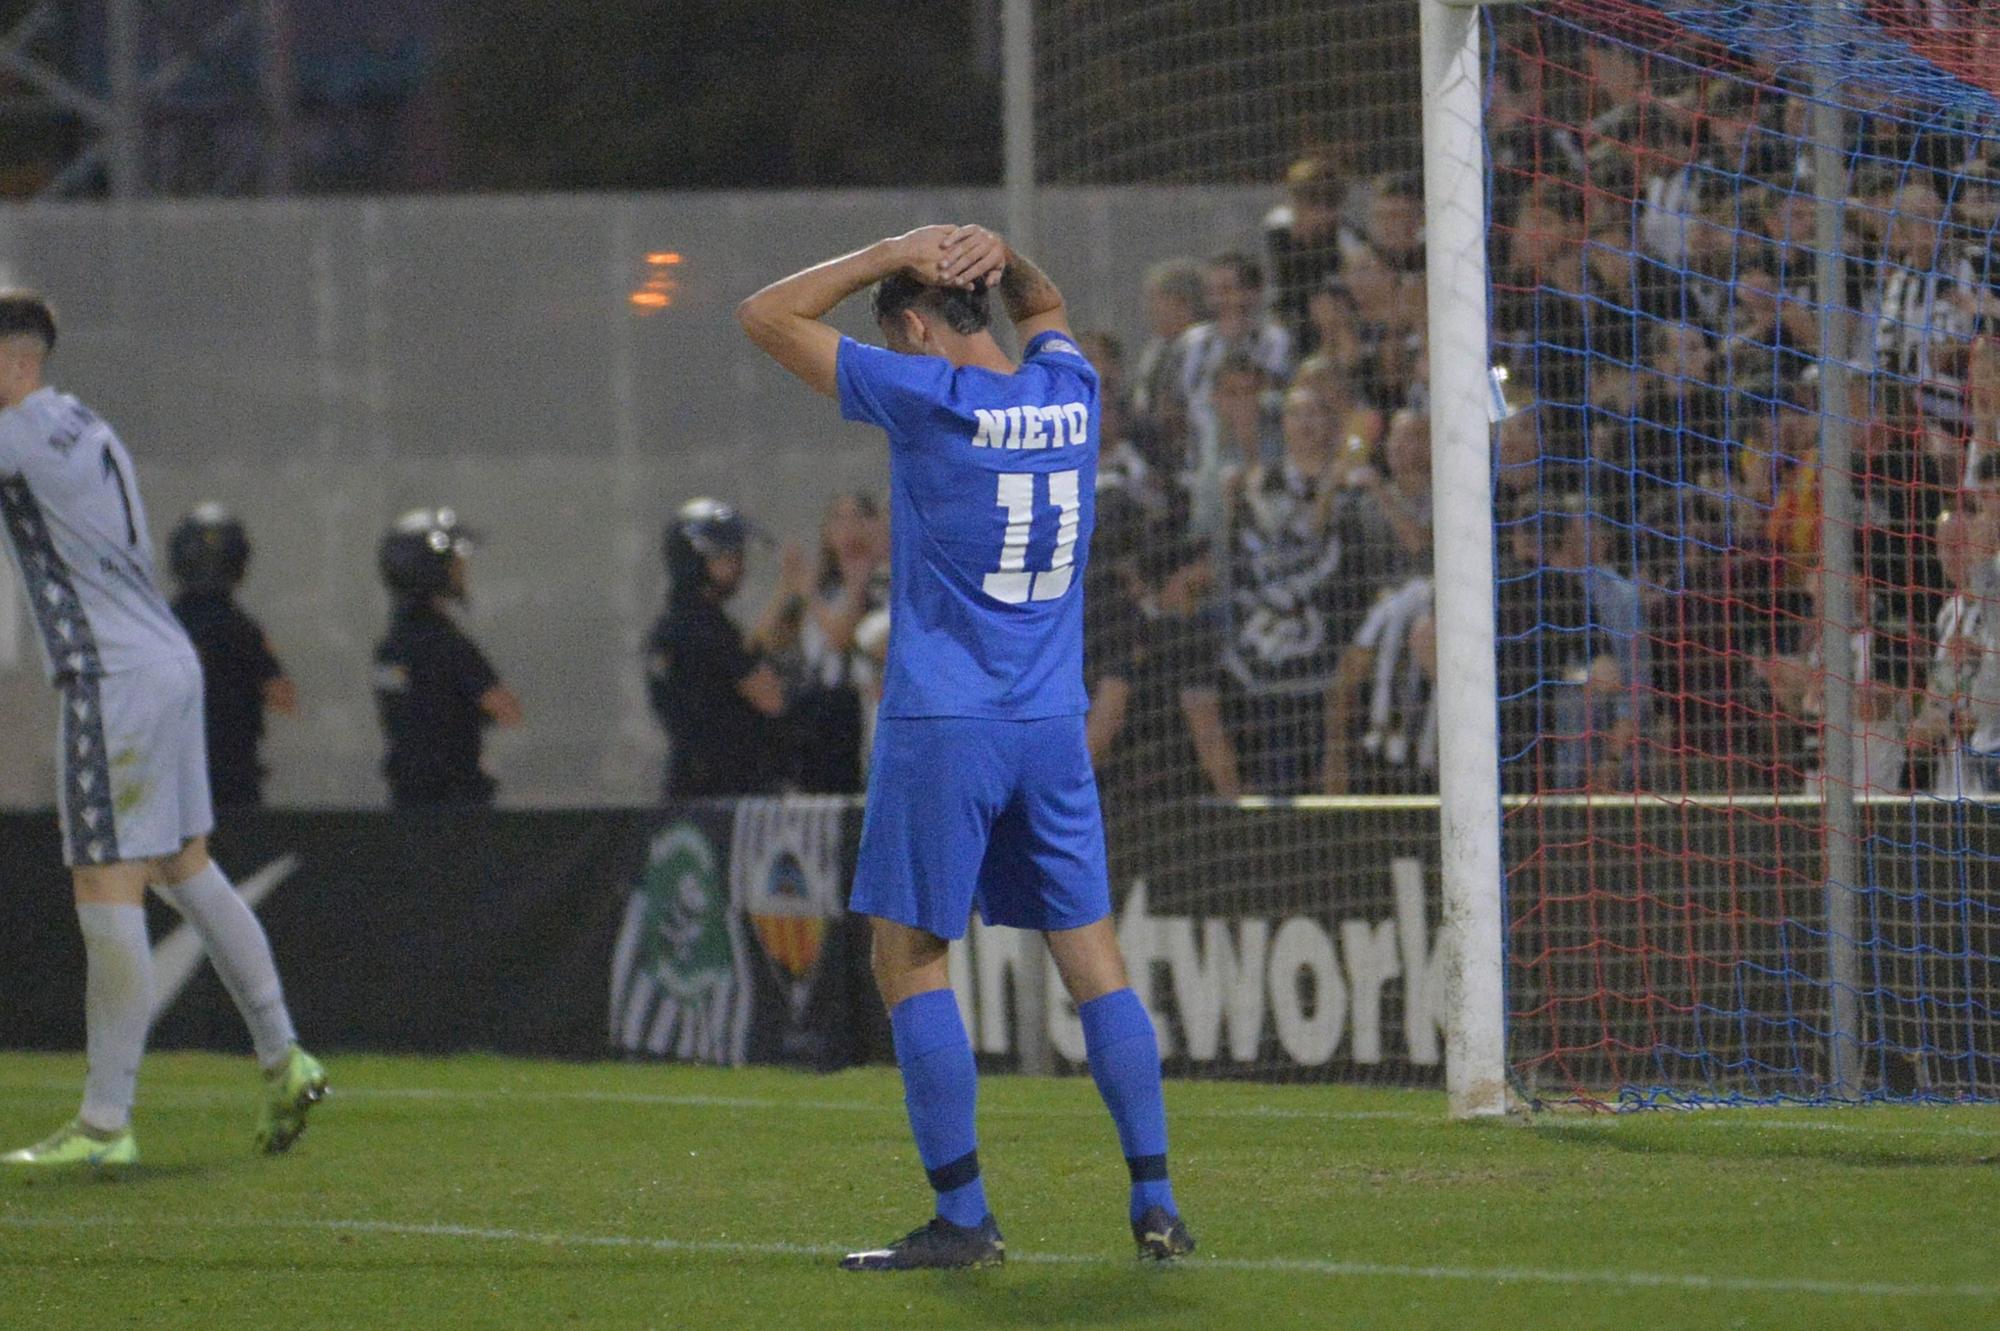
(1262, 603)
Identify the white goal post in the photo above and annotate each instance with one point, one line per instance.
(1462, 495)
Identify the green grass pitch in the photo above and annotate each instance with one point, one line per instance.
(482, 1192)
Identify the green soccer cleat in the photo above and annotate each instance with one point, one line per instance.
(1161, 1235)
(74, 1144)
(290, 1089)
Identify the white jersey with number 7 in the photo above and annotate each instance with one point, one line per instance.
(76, 528)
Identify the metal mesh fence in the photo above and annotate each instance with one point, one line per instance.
(1745, 547)
(1259, 599)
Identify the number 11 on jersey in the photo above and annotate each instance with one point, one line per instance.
(1013, 583)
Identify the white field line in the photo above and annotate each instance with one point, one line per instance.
(886, 1107)
(1747, 1118)
(1309, 1266)
(190, 1095)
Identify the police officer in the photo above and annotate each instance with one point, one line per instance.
(209, 553)
(712, 688)
(434, 688)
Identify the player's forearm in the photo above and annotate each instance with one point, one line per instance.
(1109, 705)
(1338, 719)
(1202, 710)
(787, 319)
(815, 291)
(1026, 290)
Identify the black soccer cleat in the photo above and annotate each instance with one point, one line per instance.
(938, 1246)
(1161, 1236)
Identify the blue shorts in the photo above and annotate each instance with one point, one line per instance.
(964, 811)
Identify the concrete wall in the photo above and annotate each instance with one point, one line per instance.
(322, 365)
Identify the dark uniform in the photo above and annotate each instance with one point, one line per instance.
(695, 658)
(209, 553)
(429, 676)
(1157, 653)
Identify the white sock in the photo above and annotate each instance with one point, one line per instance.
(242, 957)
(117, 1004)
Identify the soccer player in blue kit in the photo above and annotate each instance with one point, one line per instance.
(980, 791)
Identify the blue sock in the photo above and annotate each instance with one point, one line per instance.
(1125, 1062)
(940, 1089)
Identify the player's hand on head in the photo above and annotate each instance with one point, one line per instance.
(923, 253)
(974, 257)
(966, 257)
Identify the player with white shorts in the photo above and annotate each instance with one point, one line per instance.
(131, 758)
(132, 761)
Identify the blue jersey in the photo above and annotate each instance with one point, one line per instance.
(992, 498)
